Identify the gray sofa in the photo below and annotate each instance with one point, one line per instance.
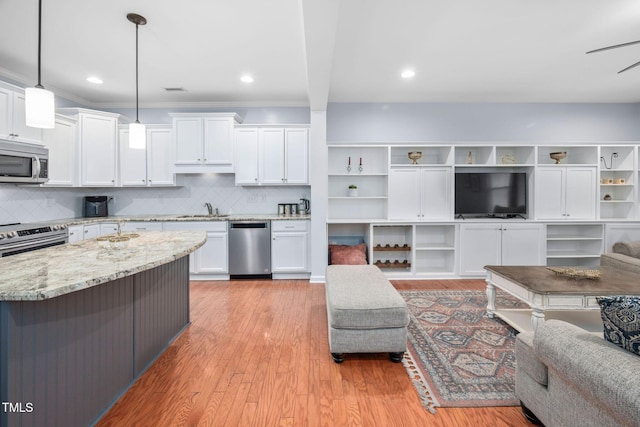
(624, 256)
(566, 376)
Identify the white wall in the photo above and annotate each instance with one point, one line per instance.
(482, 122)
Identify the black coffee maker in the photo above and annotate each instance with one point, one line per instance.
(95, 206)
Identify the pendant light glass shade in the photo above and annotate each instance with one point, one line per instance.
(137, 136)
(40, 111)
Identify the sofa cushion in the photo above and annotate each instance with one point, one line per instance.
(361, 297)
(348, 255)
(621, 319)
(527, 361)
(627, 248)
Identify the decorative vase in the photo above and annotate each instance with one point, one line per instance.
(353, 192)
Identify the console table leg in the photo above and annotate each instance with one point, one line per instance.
(491, 300)
(537, 317)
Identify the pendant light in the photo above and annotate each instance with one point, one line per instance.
(137, 132)
(39, 102)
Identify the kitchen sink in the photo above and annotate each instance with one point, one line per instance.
(202, 216)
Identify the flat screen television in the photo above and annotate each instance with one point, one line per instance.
(490, 194)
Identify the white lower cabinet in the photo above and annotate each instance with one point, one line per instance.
(138, 226)
(499, 244)
(289, 246)
(211, 260)
(76, 233)
(91, 231)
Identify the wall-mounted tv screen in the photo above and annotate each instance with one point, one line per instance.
(499, 194)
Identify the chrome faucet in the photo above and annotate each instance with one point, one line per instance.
(209, 208)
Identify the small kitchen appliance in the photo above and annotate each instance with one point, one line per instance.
(304, 207)
(96, 206)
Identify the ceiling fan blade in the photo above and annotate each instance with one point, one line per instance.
(615, 46)
(629, 67)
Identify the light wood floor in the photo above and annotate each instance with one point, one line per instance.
(256, 354)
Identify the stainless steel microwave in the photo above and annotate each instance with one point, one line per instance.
(23, 163)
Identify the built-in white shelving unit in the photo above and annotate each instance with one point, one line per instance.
(571, 202)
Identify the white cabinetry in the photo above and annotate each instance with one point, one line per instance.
(138, 226)
(246, 147)
(152, 166)
(203, 142)
(289, 246)
(284, 156)
(565, 192)
(499, 244)
(97, 139)
(420, 194)
(209, 262)
(272, 156)
(76, 233)
(62, 144)
(13, 124)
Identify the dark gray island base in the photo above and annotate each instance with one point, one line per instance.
(65, 360)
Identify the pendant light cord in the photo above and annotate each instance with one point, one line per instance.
(39, 85)
(137, 121)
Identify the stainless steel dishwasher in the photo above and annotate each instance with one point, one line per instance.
(249, 249)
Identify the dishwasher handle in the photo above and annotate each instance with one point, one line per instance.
(248, 225)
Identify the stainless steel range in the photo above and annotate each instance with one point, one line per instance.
(18, 238)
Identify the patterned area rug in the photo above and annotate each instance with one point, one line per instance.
(457, 357)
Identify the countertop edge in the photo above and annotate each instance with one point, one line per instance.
(78, 285)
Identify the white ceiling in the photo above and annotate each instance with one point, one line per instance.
(310, 52)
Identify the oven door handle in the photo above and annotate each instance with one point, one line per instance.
(31, 243)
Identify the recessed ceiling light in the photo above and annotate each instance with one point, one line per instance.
(95, 80)
(407, 74)
(246, 79)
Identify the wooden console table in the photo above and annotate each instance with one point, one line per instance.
(553, 296)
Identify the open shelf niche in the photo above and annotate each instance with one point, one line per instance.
(617, 182)
(574, 244)
(435, 252)
(391, 247)
(365, 167)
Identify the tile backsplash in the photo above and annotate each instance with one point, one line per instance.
(34, 204)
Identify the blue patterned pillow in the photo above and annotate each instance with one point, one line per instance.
(621, 318)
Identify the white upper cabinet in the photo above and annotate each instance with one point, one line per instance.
(272, 156)
(246, 146)
(203, 142)
(565, 192)
(98, 142)
(12, 118)
(62, 144)
(152, 166)
(420, 193)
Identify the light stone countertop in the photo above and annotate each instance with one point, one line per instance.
(59, 270)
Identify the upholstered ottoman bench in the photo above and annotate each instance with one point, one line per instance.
(365, 312)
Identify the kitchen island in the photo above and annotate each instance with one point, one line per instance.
(80, 322)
